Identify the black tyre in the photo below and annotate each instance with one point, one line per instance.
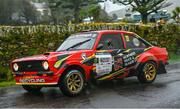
(147, 72)
(72, 83)
(30, 88)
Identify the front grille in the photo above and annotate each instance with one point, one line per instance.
(30, 66)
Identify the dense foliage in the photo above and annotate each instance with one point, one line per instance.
(20, 41)
(176, 14)
(18, 12)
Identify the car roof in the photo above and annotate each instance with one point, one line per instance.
(109, 31)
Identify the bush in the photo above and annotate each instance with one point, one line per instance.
(20, 41)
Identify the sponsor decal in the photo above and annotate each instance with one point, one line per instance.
(82, 35)
(83, 55)
(127, 38)
(129, 59)
(32, 58)
(104, 64)
(31, 80)
(88, 60)
(136, 42)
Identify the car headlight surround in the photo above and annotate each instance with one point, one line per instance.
(45, 65)
(15, 67)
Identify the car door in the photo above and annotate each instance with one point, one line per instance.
(107, 59)
(134, 46)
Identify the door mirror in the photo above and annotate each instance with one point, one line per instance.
(100, 46)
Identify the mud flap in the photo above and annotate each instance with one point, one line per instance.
(161, 68)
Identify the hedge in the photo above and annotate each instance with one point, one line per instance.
(20, 41)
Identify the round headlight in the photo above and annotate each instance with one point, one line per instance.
(45, 65)
(15, 67)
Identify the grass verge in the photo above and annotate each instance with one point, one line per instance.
(173, 57)
(7, 83)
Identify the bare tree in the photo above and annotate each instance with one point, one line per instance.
(145, 7)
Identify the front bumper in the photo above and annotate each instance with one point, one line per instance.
(38, 79)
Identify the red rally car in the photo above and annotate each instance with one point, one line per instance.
(93, 55)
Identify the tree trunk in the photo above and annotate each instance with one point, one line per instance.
(144, 18)
(76, 14)
(27, 21)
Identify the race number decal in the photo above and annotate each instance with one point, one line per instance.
(104, 64)
(118, 63)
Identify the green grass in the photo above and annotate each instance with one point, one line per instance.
(7, 83)
(173, 57)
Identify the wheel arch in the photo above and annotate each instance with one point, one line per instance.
(146, 57)
(77, 67)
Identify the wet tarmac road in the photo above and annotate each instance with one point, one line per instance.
(164, 92)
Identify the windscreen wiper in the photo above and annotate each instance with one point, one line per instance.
(80, 43)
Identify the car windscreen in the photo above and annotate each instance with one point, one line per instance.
(81, 41)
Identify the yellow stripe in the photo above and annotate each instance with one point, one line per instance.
(113, 74)
(147, 49)
(94, 68)
(36, 83)
(120, 54)
(59, 62)
(137, 57)
(102, 51)
(127, 50)
(92, 56)
(106, 77)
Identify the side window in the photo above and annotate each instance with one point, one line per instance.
(133, 42)
(111, 41)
